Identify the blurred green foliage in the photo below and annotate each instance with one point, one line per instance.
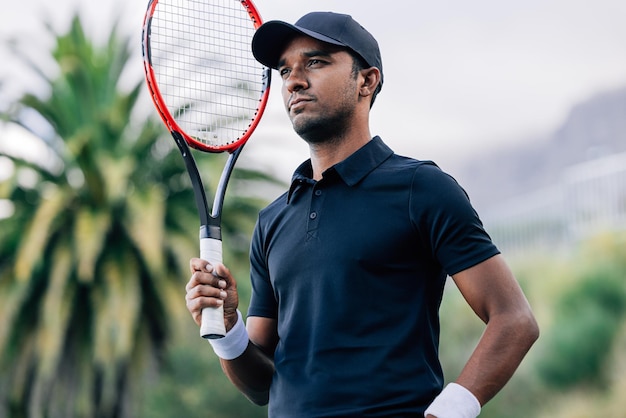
(587, 320)
(577, 366)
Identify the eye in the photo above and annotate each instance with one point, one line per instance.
(284, 72)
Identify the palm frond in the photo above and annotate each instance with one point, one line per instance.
(12, 296)
(118, 307)
(144, 223)
(89, 240)
(37, 234)
(54, 323)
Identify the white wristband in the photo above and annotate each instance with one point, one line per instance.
(234, 343)
(454, 401)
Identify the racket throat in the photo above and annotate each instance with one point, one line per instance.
(211, 231)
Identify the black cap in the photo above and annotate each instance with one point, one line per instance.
(272, 37)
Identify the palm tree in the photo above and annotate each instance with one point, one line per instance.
(95, 253)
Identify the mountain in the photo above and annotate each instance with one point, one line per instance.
(593, 128)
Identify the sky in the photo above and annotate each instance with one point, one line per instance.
(461, 76)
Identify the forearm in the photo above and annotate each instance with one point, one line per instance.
(247, 366)
(493, 293)
(499, 352)
(251, 373)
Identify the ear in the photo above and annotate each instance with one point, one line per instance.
(371, 78)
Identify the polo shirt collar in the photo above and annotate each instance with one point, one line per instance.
(351, 170)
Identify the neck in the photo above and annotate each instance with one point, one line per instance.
(325, 155)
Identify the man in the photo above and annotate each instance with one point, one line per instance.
(349, 265)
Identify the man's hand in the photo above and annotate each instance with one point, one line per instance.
(211, 286)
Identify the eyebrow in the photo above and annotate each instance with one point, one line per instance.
(312, 53)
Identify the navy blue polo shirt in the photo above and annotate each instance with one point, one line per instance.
(353, 267)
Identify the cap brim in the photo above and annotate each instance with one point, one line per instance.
(271, 39)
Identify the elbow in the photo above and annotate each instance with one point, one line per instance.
(259, 398)
(257, 395)
(528, 328)
(535, 331)
(519, 328)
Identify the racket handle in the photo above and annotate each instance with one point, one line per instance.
(212, 326)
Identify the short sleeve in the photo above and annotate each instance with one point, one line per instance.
(447, 223)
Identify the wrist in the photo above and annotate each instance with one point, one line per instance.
(234, 343)
(454, 401)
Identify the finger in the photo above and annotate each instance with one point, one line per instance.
(221, 270)
(199, 302)
(228, 280)
(198, 264)
(205, 291)
(203, 296)
(202, 278)
(196, 305)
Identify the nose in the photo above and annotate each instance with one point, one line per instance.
(296, 80)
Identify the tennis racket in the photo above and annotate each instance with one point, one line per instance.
(210, 92)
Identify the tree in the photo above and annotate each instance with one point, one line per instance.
(95, 252)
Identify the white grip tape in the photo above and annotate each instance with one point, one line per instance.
(212, 318)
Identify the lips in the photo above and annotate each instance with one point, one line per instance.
(297, 102)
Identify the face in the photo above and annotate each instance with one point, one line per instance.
(319, 89)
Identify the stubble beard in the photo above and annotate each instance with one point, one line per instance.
(325, 128)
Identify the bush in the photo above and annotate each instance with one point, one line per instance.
(587, 319)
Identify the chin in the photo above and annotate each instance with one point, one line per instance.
(316, 131)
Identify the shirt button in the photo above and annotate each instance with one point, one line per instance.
(318, 193)
(313, 215)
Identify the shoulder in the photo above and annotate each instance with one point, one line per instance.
(410, 165)
(428, 178)
(274, 207)
(424, 175)
(437, 200)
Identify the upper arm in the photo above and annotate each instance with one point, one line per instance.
(263, 333)
(490, 288)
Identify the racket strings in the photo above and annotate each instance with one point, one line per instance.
(204, 67)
